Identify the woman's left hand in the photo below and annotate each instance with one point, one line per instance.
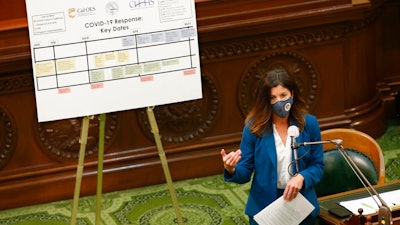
(293, 187)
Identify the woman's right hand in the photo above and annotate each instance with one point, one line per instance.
(231, 159)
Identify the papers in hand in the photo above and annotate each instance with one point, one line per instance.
(282, 212)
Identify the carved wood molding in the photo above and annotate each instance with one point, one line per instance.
(297, 66)
(185, 121)
(8, 137)
(18, 83)
(60, 140)
(275, 42)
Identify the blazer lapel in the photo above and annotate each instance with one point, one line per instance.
(270, 143)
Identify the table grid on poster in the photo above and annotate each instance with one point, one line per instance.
(132, 56)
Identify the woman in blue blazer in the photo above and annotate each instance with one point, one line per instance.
(265, 154)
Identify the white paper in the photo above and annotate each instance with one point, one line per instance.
(282, 212)
(369, 206)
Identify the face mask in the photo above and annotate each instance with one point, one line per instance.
(282, 108)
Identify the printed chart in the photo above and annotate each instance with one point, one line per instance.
(93, 57)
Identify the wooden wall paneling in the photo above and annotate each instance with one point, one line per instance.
(389, 70)
(363, 103)
(12, 9)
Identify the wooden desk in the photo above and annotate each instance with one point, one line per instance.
(331, 201)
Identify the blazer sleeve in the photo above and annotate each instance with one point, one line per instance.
(245, 166)
(315, 167)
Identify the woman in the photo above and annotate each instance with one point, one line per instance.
(265, 152)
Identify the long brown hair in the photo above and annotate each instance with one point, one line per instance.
(260, 115)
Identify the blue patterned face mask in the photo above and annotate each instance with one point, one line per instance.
(282, 108)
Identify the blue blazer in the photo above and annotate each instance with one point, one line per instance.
(259, 162)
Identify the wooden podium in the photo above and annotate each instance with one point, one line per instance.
(331, 201)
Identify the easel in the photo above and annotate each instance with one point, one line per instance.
(79, 171)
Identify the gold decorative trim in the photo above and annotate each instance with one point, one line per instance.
(359, 2)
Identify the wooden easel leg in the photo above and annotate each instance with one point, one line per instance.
(102, 125)
(79, 170)
(164, 163)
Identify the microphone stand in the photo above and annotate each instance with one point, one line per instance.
(384, 213)
(295, 146)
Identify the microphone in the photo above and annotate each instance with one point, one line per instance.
(293, 133)
(384, 212)
(334, 141)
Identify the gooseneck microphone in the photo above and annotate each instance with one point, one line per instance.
(293, 133)
(334, 141)
(384, 212)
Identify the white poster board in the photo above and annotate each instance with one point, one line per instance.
(98, 56)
